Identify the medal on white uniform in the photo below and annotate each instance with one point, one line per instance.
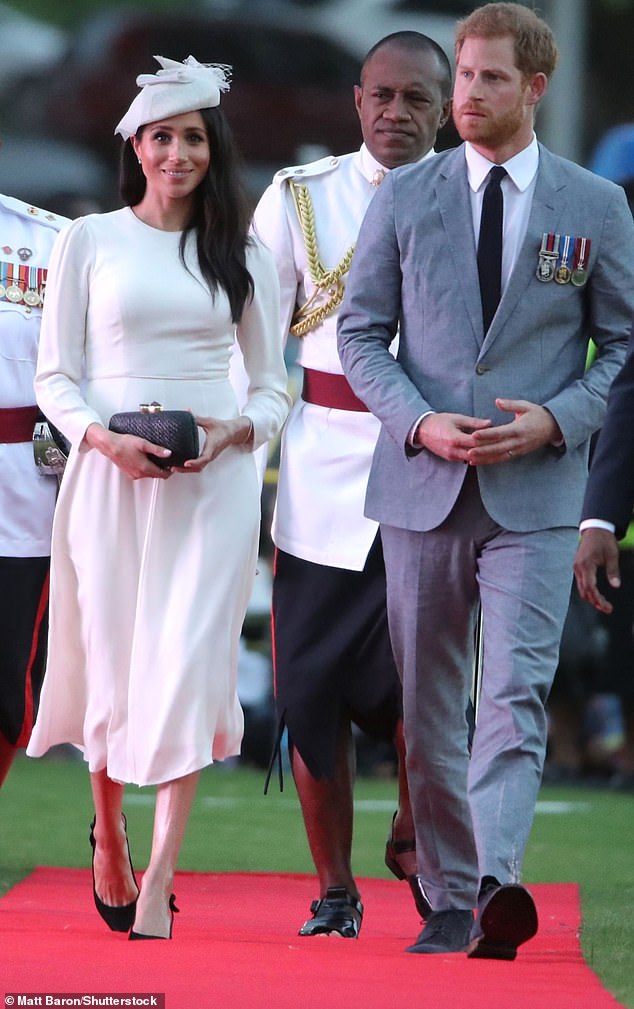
(13, 292)
(31, 295)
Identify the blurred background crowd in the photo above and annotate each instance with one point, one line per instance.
(67, 71)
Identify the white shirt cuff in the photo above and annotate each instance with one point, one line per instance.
(414, 428)
(597, 524)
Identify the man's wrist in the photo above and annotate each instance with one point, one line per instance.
(556, 439)
(411, 438)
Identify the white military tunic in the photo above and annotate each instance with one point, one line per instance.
(27, 498)
(325, 453)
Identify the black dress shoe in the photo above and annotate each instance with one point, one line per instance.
(445, 932)
(507, 917)
(392, 850)
(143, 935)
(118, 919)
(338, 912)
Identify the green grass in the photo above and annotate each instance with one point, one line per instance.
(582, 836)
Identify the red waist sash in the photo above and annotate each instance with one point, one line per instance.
(331, 391)
(17, 423)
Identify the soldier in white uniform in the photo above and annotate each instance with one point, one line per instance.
(333, 661)
(27, 498)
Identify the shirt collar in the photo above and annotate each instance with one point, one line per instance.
(521, 168)
(369, 164)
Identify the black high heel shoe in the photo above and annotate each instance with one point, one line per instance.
(392, 850)
(173, 910)
(119, 919)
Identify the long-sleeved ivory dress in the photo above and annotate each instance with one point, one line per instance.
(150, 579)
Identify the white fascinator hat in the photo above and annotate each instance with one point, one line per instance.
(174, 89)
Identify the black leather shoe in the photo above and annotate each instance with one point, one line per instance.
(338, 912)
(143, 935)
(392, 850)
(118, 919)
(507, 917)
(445, 932)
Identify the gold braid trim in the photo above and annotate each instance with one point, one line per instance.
(305, 317)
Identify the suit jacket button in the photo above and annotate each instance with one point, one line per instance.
(481, 369)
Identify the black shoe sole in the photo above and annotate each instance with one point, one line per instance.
(508, 920)
(343, 933)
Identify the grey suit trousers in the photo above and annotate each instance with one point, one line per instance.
(473, 815)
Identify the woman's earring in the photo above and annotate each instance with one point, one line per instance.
(139, 160)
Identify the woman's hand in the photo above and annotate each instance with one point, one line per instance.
(219, 434)
(128, 452)
(131, 454)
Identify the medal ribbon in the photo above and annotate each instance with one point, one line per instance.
(26, 279)
(565, 255)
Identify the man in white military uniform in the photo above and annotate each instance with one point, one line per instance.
(333, 661)
(27, 498)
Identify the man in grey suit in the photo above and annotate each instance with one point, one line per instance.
(479, 471)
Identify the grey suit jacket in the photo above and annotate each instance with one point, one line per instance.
(415, 267)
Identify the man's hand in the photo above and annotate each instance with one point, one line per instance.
(598, 549)
(449, 435)
(532, 427)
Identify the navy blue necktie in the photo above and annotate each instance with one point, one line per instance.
(490, 245)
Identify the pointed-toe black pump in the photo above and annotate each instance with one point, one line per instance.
(118, 919)
(173, 910)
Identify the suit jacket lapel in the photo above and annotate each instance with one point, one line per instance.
(455, 210)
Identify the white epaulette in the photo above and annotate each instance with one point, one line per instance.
(321, 167)
(31, 213)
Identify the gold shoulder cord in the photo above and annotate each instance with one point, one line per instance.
(305, 317)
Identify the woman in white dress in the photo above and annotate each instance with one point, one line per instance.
(152, 567)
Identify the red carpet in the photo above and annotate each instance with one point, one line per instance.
(236, 947)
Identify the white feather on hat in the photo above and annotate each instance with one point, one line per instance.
(176, 88)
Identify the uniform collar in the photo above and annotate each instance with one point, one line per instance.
(521, 168)
(369, 164)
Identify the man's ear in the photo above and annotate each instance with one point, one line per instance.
(358, 94)
(537, 88)
(446, 113)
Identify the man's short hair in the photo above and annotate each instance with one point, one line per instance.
(535, 47)
(415, 42)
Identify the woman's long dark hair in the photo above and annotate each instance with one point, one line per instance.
(221, 213)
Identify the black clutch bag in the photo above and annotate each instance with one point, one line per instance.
(173, 429)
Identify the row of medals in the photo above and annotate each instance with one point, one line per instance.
(15, 294)
(547, 268)
(31, 297)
